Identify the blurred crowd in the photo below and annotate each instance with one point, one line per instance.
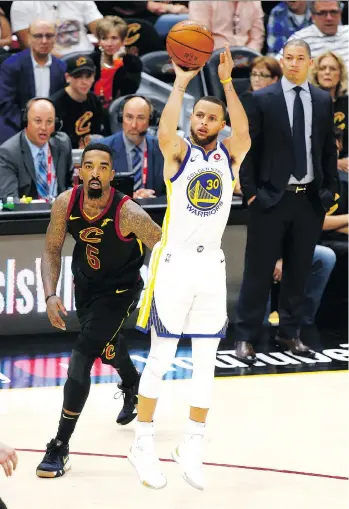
(87, 59)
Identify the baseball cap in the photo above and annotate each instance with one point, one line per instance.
(82, 63)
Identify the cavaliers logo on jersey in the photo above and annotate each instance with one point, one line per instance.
(204, 192)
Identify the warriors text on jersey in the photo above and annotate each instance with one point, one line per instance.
(102, 257)
(199, 197)
(186, 292)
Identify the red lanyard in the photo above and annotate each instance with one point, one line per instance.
(50, 177)
(145, 166)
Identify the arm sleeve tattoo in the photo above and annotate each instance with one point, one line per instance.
(55, 236)
(133, 219)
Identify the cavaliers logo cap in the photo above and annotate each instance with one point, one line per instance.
(82, 63)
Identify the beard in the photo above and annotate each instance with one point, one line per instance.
(202, 142)
(92, 193)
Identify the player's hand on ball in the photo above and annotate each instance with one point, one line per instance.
(54, 307)
(226, 64)
(185, 75)
(8, 459)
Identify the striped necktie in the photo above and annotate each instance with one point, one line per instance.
(137, 167)
(41, 176)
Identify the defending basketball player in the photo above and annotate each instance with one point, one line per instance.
(186, 294)
(109, 229)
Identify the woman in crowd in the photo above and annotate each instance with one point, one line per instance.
(118, 72)
(330, 73)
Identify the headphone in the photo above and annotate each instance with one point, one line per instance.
(154, 117)
(25, 111)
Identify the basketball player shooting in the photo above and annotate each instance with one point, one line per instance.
(186, 294)
(109, 229)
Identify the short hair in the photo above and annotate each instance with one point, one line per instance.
(338, 134)
(298, 42)
(214, 100)
(97, 146)
(342, 87)
(270, 63)
(108, 23)
(312, 5)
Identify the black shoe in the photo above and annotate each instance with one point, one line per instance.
(130, 395)
(244, 351)
(56, 460)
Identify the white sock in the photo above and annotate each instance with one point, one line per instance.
(143, 429)
(195, 428)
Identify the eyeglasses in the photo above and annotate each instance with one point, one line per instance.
(39, 37)
(260, 75)
(332, 13)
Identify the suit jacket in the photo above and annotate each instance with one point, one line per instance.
(270, 161)
(17, 86)
(155, 179)
(17, 170)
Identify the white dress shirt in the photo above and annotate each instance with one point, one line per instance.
(305, 96)
(42, 77)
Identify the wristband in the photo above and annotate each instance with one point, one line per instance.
(226, 81)
(49, 296)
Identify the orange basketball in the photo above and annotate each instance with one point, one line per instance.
(189, 44)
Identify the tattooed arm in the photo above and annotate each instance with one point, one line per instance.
(51, 258)
(133, 219)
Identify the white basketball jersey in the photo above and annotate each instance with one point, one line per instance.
(199, 198)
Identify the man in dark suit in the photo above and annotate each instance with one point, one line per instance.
(288, 178)
(30, 73)
(35, 162)
(137, 152)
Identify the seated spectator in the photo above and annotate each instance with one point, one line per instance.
(326, 33)
(5, 31)
(79, 109)
(117, 73)
(285, 19)
(70, 18)
(34, 162)
(233, 23)
(30, 73)
(329, 73)
(137, 152)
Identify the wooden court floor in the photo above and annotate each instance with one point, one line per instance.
(272, 442)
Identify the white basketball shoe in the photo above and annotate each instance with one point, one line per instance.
(143, 457)
(188, 455)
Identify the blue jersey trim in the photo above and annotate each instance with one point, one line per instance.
(145, 330)
(230, 161)
(205, 155)
(182, 166)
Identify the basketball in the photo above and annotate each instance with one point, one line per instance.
(189, 44)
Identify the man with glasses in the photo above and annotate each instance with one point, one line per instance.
(326, 33)
(30, 73)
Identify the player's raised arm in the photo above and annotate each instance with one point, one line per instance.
(173, 146)
(133, 219)
(238, 144)
(51, 258)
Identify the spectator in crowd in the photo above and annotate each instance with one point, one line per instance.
(233, 23)
(118, 73)
(137, 152)
(264, 72)
(70, 18)
(285, 19)
(289, 178)
(8, 461)
(330, 73)
(35, 162)
(79, 109)
(30, 73)
(326, 33)
(334, 306)
(5, 31)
